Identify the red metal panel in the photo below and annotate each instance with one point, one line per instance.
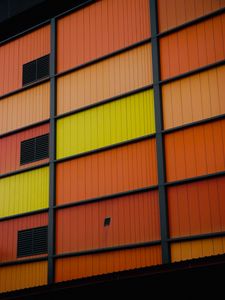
(195, 151)
(124, 168)
(18, 52)
(134, 219)
(10, 149)
(197, 208)
(96, 264)
(9, 230)
(193, 47)
(99, 29)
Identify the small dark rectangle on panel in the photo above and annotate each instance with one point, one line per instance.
(32, 241)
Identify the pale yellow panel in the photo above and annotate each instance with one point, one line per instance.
(196, 249)
(24, 192)
(108, 124)
(23, 276)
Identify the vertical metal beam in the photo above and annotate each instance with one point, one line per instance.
(52, 154)
(159, 135)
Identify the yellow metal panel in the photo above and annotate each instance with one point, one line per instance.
(196, 249)
(23, 276)
(24, 192)
(107, 124)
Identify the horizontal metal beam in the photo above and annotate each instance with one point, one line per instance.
(108, 249)
(104, 101)
(23, 261)
(192, 22)
(106, 197)
(26, 214)
(197, 237)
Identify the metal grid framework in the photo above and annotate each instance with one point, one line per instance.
(160, 132)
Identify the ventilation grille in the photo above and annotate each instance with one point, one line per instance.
(36, 70)
(32, 241)
(34, 149)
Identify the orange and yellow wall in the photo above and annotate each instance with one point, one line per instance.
(106, 139)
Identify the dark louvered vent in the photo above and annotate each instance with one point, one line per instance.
(32, 241)
(36, 70)
(34, 149)
(43, 67)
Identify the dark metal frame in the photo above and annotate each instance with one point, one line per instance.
(161, 186)
(159, 136)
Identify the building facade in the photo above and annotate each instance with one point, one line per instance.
(112, 141)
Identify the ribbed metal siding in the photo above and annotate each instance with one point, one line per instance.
(10, 149)
(112, 77)
(25, 108)
(18, 52)
(107, 124)
(195, 151)
(193, 47)
(194, 98)
(23, 276)
(197, 249)
(197, 208)
(96, 264)
(8, 234)
(121, 169)
(99, 29)
(24, 192)
(173, 13)
(134, 219)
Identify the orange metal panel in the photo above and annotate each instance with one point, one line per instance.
(173, 13)
(99, 29)
(134, 219)
(125, 168)
(119, 74)
(96, 264)
(23, 276)
(194, 98)
(197, 249)
(195, 151)
(25, 108)
(193, 47)
(10, 149)
(18, 52)
(197, 207)
(9, 230)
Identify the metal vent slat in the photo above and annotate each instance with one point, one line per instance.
(34, 149)
(36, 70)
(43, 67)
(32, 241)
(29, 72)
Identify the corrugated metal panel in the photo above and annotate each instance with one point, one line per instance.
(24, 192)
(18, 52)
(121, 169)
(108, 124)
(99, 29)
(10, 149)
(195, 151)
(176, 12)
(197, 207)
(112, 77)
(197, 249)
(96, 264)
(193, 47)
(25, 108)
(23, 276)
(194, 98)
(134, 219)
(9, 230)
